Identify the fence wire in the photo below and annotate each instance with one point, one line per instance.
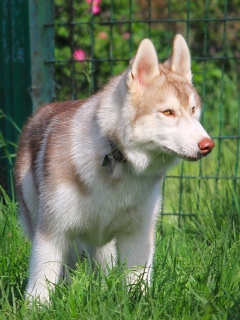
(94, 40)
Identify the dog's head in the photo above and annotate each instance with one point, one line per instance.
(163, 106)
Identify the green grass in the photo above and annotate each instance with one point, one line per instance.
(196, 273)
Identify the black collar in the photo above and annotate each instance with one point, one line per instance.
(115, 154)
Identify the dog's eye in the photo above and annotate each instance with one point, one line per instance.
(193, 109)
(168, 112)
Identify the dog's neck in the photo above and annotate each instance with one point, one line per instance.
(115, 154)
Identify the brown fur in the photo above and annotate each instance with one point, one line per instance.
(29, 146)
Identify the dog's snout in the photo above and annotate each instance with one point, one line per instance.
(206, 145)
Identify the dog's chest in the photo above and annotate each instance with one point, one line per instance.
(112, 208)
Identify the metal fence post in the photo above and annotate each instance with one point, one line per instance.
(41, 50)
(15, 64)
(26, 80)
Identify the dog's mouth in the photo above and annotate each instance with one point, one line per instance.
(198, 156)
(192, 159)
(185, 157)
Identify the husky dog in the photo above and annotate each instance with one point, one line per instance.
(88, 173)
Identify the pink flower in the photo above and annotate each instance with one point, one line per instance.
(126, 35)
(79, 55)
(95, 6)
(102, 35)
(95, 9)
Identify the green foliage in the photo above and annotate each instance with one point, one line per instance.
(7, 148)
(110, 40)
(13, 261)
(6, 145)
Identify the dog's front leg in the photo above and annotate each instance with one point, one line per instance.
(45, 265)
(136, 252)
(105, 256)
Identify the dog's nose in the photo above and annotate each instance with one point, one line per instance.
(206, 145)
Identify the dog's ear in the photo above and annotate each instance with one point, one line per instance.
(144, 66)
(180, 60)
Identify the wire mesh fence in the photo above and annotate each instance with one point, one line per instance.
(96, 39)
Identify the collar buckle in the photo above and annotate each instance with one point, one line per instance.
(115, 154)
